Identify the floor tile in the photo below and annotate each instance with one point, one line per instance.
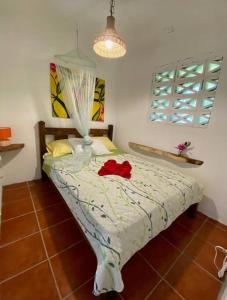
(53, 215)
(15, 186)
(47, 199)
(40, 182)
(178, 235)
(38, 188)
(214, 234)
(35, 284)
(12, 210)
(20, 255)
(218, 224)
(164, 292)
(222, 226)
(139, 279)
(61, 236)
(11, 195)
(17, 228)
(160, 254)
(203, 253)
(85, 293)
(74, 267)
(192, 224)
(41, 191)
(192, 282)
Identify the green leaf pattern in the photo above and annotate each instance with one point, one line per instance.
(120, 216)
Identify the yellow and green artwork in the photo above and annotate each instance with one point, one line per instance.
(99, 101)
(59, 109)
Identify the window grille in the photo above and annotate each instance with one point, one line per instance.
(185, 94)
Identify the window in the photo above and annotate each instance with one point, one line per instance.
(185, 94)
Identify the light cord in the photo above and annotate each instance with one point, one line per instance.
(224, 261)
(112, 7)
(77, 37)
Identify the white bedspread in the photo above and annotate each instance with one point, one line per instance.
(119, 216)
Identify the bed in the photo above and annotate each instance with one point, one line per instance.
(118, 216)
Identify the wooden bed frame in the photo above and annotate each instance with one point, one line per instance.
(63, 133)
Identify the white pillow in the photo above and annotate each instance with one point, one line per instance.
(76, 144)
(99, 148)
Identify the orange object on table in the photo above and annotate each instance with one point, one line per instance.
(5, 134)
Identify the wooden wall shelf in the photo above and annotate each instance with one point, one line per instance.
(160, 152)
(11, 147)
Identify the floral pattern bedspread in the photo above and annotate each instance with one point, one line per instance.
(119, 216)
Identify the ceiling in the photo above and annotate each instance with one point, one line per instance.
(146, 17)
(145, 25)
(148, 22)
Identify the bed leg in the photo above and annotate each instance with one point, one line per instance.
(44, 175)
(109, 296)
(192, 210)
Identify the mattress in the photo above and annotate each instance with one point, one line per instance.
(120, 216)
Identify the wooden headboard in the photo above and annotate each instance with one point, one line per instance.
(63, 133)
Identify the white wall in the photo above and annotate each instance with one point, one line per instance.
(200, 27)
(31, 32)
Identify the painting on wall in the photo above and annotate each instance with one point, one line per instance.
(99, 101)
(59, 108)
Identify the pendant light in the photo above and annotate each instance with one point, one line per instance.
(109, 44)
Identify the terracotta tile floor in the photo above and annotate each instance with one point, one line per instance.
(44, 256)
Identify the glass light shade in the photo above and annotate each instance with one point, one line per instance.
(109, 44)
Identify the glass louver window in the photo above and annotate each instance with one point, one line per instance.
(185, 94)
(181, 118)
(164, 76)
(185, 103)
(190, 71)
(162, 90)
(207, 103)
(203, 119)
(158, 117)
(188, 88)
(160, 104)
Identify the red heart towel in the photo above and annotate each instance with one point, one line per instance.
(111, 167)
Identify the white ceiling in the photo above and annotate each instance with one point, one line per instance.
(146, 19)
(145, 25)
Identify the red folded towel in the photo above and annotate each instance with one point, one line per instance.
(111, 167)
